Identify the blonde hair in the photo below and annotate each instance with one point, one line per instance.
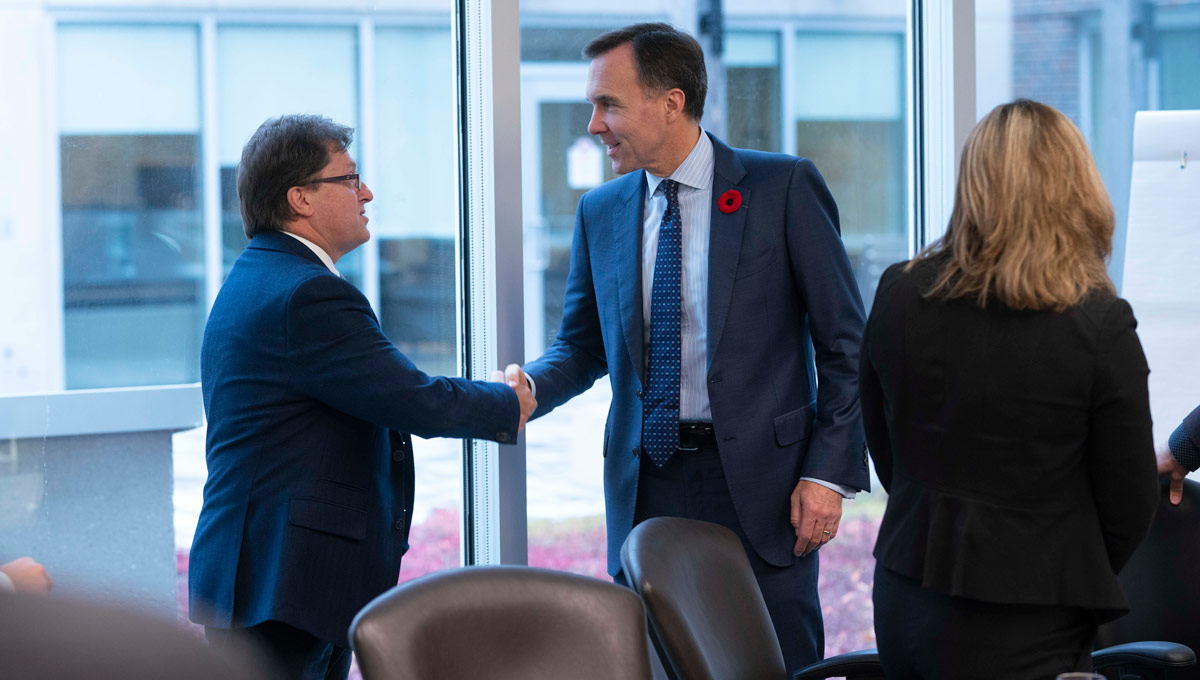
(1032, 224)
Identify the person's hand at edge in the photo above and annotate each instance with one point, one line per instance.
(1167, 465)
(28, 576)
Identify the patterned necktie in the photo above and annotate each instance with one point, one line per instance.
(660, 419)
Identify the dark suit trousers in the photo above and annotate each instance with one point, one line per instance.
(692, 484)
(924, 634)
(294, 653)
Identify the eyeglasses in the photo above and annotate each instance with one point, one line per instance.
(341, 178)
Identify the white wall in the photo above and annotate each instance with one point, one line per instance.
(31, 342)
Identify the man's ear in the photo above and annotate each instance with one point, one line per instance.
(299, 203)
(674, 101)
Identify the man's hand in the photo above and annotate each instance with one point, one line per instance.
(1167, 465)
(28, 576)
(514, 377)
(816, 512)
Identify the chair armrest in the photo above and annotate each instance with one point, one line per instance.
(860, 665)
(1149, 654)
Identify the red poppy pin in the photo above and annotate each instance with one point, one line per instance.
(730, 201)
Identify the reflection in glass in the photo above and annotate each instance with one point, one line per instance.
(132, 234)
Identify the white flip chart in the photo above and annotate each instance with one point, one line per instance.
(1162, 260)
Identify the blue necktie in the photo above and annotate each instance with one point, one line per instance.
(660, 419)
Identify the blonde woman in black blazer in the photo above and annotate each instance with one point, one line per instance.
(1004, 397)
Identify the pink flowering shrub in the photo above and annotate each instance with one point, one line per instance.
(578, 545)
(845, 580)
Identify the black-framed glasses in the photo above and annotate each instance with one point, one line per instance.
(341, 178)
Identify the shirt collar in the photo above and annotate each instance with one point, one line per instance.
(318, 251)
(695, 171)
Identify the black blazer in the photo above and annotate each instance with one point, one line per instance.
(1015, 446)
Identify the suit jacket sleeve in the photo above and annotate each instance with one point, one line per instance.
(823, 275)
(1191, 426)
(1120, 443)
(576, 359)
(341, 357)
(1185, 441)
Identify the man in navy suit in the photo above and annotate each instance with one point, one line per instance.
(310, 473)
(735, 395)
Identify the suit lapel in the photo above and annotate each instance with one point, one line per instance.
(724, 240)
(627, 236)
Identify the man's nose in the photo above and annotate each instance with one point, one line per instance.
(364, 193)
(596, 124)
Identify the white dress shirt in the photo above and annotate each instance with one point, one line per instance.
(318, 251)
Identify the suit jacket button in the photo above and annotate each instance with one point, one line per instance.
(636, 451)
(398, 455)
(399, 525)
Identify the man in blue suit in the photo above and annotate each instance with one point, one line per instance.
(712, 286)
(310, 472)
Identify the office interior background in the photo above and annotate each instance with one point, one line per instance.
(122, 122)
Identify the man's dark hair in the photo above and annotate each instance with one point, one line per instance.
(284, 152)
(666, 58)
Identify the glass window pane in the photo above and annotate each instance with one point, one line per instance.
(267, 71)
(753, 81)
(849, 103)
(1179, 64)
(416, 222)
(132, 230)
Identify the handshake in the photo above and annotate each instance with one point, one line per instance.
(515, 378)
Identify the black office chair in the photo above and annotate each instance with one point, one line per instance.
(704, 604)
(1162, 583)
(47, 638)
(502, 623)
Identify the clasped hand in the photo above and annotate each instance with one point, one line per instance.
(514, 377)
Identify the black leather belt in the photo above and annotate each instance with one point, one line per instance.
(696, 435)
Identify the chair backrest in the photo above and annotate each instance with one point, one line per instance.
(1162, 581)
(501, 623)
(703, 600)
(43, 637)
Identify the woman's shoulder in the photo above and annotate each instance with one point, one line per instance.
(901, 272)
(1102, 309)
(907, 277)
